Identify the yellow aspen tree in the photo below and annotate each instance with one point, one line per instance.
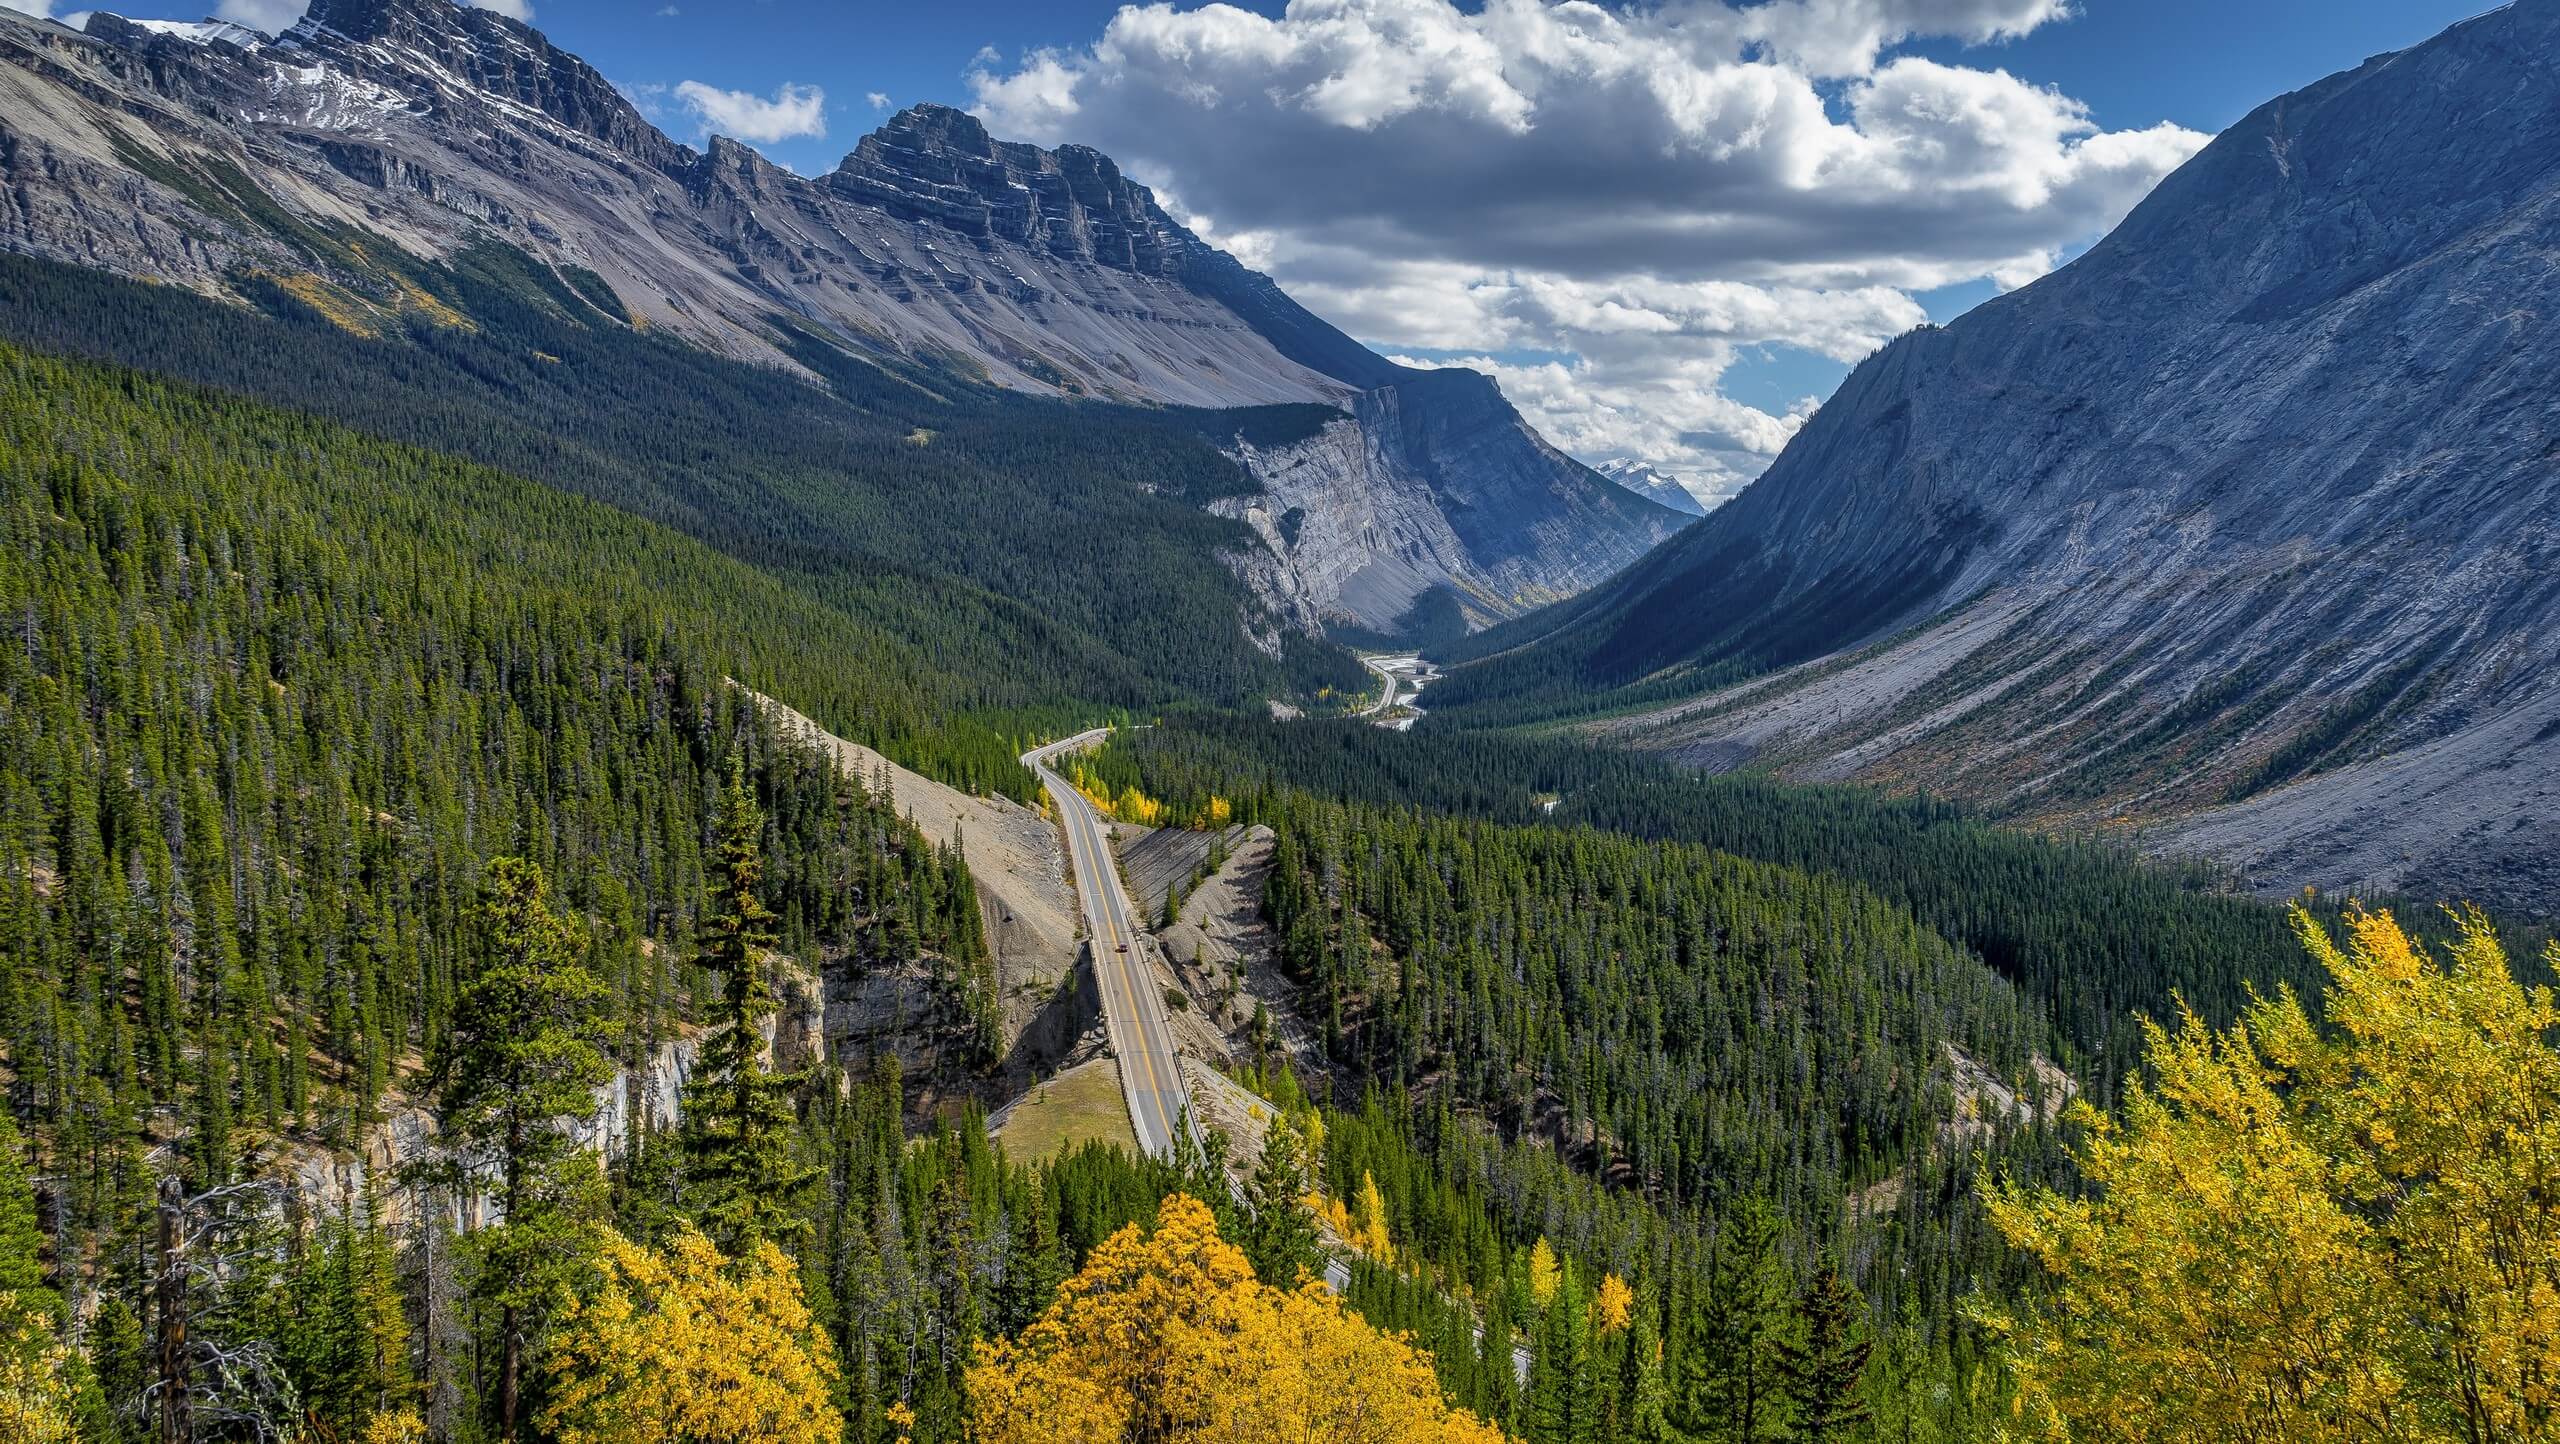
(690, 1347)
(2312, 1232)
(1545, 1274)
(1168, 1336)
(401, 1426)
(1613, 1307)
(35, 1385)
(1373, 1238)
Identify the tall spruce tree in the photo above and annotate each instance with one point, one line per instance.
(21, 1237)
(522, 1056)
(742, 1176)
(1730, 1368)
(1826, 1366)
(1565, 1386)
(1280, 1237)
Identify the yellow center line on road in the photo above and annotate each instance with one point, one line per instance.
(1108, 913)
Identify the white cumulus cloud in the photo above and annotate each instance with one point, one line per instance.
(1646, 192)
(38, 8)
(791, 111)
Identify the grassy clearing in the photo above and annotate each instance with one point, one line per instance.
(1082, 1105)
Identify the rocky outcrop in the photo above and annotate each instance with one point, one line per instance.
(2244, 521)
(206, 155)
(1434, 484)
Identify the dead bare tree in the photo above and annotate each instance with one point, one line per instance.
(205, 1381)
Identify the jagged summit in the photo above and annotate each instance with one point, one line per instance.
(931, 162)
(402, 19)
(208, 31)
(1652, 483)
(462, 59)
(430, 128)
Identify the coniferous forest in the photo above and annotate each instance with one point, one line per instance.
(417, 943)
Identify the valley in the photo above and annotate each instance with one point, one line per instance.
(650, 791)
(2235, 570)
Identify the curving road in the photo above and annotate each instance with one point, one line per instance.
(1404, 674)
(1132, 1005)
(1387, 698)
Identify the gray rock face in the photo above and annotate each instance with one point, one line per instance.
(199, 155)
(1435, 482)
(2248, 519)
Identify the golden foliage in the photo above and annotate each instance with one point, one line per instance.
(686, 1345)
(400, 1427)
(1137, 807)
(1130, 805)
(1372, 1237)
(2313, 1235)
(35, 1385)
(340, 307)
(1170, 1337)
(1545, 1274)
(1614, 1306)
(425, 303)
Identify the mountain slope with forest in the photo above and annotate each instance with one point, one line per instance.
(2242, 520)
(379, 137)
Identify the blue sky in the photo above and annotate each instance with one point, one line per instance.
(1668, 230)
(2202, 63)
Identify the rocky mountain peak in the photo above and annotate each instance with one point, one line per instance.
(138, 34)
(934, 128)
(1652, 483)
(401, 20)
(938, 165)
(406, 19)
(934, 163)
(457, 57)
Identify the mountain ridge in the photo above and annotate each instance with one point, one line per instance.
(2196, 533)
(419, 126)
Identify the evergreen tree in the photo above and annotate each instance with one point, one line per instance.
(1731, 1364)
(1826, 1364)
(1906, 1378)
(522, 1054)
(1641, 1406)
(1035, 1264)
(741, 1176)
(1280, 1237)
(1565, 1387)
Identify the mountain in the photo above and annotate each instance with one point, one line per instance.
(2240, 526)
(1653, 484)
(379, 131)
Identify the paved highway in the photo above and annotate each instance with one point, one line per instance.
(1405, 675)
(1386, 699)
(1132, 1003)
